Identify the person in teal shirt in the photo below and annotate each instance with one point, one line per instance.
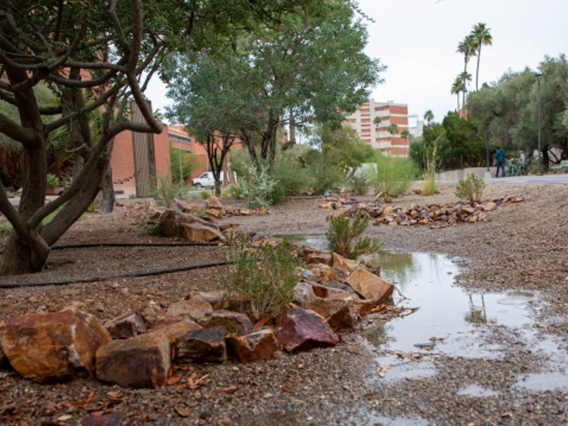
(500, 156)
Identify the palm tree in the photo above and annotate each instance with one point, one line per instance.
(465, 77)
(428, 116)
(406, 135)
(482, 36)
(468, 47)
(457, 88)
(393, 129)
(377, 120)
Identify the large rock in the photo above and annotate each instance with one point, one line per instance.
(152, 313)
(369, 286)
(192, 308)
(53, 346)
(213, 203)
(205, 345)
(182, 206)
(217, 299)
(126, 326)
(301, 330)
(233, 322)
(114, 419)
(344, 264)
(140, 362)
(337, 307)
(316, 257)
(254, 346)
(171, 223)
(173, 328)
(198, 233)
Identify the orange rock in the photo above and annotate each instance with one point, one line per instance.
(53, 346)
(174, 330)
(489, 207)
(192, 308)
(343, 263)
(369, 286)
(198, 233)
(318, 257)
(213, 203)
(254, 346)
(233, 322)
(140, 362)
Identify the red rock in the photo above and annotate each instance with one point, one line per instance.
(213, 203)
(301, 330)
(140, 362)
(126, 326)
(114, 419)
(217, 299)
(192, 308)
(233, 322)
(369, 286)
(198, 233)
(318, 257)
(53, 346)
(254, 346)
(173, 328)
(205, 345)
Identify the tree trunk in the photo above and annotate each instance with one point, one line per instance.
(292, 142)
(477, 72)
(107, 204)
(217, 187)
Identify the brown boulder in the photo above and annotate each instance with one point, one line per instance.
(213, 203)
(192, 308)
(254, 346)
(152, 313)
(346, 265)
(369, 286)
(126, 326)
(301, 330)
(217, 299)
(168, 225)
(182, 206)
(233, 322)
(205, 345)
(53, 346)
(140, 362)
(173, 328)
(215, 213)
(199, 233)
(318, 257)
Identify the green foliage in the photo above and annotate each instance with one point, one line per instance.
(262, 280)
(290, 176)
(182, 163)
(205, 195)
(343, 233)
(461, 144)
(392, 175)
(359, 183)
(5, 227)
(168, 190)
(430, 184)
(257, 187)
(52, 181)
(470, 188)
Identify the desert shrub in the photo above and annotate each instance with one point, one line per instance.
(290, 176)
(470, 188)
(262, 279)
(257, 187)
(168, 190)
(392, 176)
(359, 183)
(205, 195)
(343, 233)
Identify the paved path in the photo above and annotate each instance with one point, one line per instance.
(549, 178)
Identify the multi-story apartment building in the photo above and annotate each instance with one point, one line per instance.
(377, 135)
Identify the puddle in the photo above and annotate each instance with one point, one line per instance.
(477, 391)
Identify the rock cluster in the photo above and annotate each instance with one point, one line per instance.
(434, 215)
(215, 209)
(139, 349)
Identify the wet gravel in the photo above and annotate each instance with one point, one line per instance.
(522, 246)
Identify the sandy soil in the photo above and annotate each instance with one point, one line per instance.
(523, 246)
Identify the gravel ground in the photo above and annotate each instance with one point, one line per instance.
(522, 246)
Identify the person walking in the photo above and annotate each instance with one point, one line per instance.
(500, 156)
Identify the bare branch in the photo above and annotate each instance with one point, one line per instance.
(116, 23)
(18, 132)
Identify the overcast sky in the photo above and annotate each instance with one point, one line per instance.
(417, 40)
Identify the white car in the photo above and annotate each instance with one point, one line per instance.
(206, 180)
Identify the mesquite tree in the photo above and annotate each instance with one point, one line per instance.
(95, 55)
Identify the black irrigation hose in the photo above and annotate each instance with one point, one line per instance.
(133, 275)
(73, 246)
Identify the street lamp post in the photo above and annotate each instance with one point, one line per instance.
(487, 143)
(539, 136)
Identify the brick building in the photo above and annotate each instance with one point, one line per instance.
(377, 135)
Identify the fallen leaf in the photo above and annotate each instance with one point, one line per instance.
(113, 394)
(383, 371)
(85, 402)
(65, 417)
(173, 380)
(182, 411)
(228, 390)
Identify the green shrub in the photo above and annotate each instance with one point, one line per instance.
(205, 195)
(359, 183)
(182, 163)
(262, 280)
(52, 181)
(5, 227)
(430, 184)
(168, 190)
(290, 176)
(342, 233)
(470, 188)
(257, 187)
(392, 176)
